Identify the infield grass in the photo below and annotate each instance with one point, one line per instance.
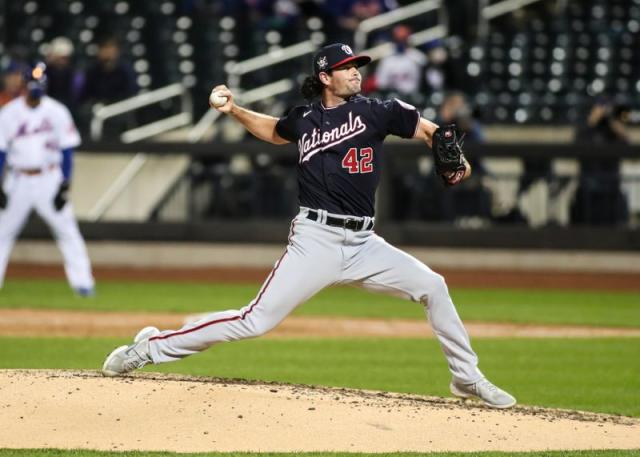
(575, 307)
(80, 453)
(594, 375)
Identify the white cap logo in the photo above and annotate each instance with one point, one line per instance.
(347, 49)
(322, 62)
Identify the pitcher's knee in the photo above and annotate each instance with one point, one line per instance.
(261, 328)
(259, 325)
(434, 286)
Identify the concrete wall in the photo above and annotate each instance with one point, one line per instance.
(194, 255)
(95, 173)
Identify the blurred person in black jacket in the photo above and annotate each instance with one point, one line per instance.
(109, 79)
(599, 199)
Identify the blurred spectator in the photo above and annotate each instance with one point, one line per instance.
(599, 199)
(606, 124)
(455, 109)
(434, 74)
(109, 78)
(64, 81)
(401, 72)
(12, 82)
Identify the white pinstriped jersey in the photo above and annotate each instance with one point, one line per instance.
(35, 137)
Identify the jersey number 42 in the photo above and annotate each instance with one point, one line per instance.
(358, 163)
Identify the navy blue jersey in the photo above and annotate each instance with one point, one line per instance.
(340, 150)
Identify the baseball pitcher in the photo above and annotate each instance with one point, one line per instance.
(37, 137)
(339, 135)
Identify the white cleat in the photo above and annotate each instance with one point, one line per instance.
(124, 359)
(485, 391)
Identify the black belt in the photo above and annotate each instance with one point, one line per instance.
(348, 222)
(34, 171)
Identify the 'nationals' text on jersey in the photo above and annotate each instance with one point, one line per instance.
(340, 150)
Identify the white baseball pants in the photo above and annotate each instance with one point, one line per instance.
(318, 256)
(28, 192)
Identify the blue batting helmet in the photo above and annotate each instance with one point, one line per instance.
(37, 80)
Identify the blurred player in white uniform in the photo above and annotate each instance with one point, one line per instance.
(37, 137)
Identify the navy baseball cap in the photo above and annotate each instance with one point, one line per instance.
(334, 55)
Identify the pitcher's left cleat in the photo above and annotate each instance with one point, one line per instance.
(125, 359)
(485, 391)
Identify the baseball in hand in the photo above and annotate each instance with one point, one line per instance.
(216, 99)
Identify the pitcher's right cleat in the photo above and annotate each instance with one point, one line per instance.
(124, 359)
(485, 391)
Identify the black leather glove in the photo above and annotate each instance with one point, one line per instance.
(448, 157)
(3, 199)
(61, 197)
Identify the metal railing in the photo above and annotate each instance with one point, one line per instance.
(507, 6)
(103, 112)
(235, 70)
(383, 20)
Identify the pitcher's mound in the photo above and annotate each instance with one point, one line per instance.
(83, 410)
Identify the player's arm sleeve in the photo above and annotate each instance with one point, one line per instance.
(3, 145)
(400, 118)
(286, 126)
(67, 163)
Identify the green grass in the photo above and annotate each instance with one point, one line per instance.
(78, 453)
(597, 308)
(594, 375)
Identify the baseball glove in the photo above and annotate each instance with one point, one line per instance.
(61, 196)
(447, 154)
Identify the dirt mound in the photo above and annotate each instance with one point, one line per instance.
(81, 409)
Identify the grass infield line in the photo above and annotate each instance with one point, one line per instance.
(591, 308)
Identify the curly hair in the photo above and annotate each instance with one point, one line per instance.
(311, 87)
